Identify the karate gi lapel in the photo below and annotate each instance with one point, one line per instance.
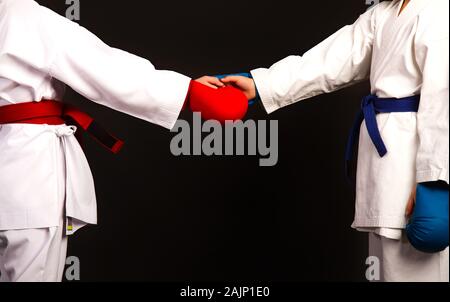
(392, 29)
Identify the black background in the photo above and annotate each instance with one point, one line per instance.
(163, 218)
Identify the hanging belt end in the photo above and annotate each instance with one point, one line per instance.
(117, 147)
(382, 152)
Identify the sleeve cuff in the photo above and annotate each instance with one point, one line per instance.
(168, 110)
(432, 175)
(262, 82)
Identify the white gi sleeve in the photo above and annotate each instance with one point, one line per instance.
(105, 75)
(432, 55)
(339, 61)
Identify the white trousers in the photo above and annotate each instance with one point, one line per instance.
(34, 255)
(401, 262)
(37, 255)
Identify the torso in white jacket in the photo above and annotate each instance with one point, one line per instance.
(404, 54)
(40, 52)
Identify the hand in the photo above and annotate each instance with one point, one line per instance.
(212, 82)
(246, 85)
(411, 202)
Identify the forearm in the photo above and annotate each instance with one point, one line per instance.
(341, 60)
(118, 79)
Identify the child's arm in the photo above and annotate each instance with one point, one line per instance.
(427, 208)
(49, 43)
(339, 61)
(432, 56)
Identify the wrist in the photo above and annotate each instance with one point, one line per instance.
(435, 184)
(255, 94)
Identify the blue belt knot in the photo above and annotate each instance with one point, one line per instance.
(371, 105)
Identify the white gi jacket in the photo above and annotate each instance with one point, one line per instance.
(39, 51)
(403, 55)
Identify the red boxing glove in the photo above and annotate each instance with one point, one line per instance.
(222, 104)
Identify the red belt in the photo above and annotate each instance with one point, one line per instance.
(56, 113)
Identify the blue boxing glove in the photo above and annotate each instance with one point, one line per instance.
(243, 74)
(427, 230)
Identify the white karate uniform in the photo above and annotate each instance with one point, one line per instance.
(40, 52)
(403, 55)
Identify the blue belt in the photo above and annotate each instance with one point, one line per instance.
(370, 107)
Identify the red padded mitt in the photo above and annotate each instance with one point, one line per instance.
(220, 104)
